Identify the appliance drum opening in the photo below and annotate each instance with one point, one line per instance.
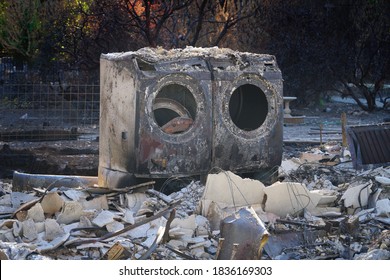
(248, 107)
(174, 109)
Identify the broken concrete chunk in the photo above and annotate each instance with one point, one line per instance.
(29, 230)
(52, 229)
(52, 203)
(71, 212)
(103, 218)
(36, 213)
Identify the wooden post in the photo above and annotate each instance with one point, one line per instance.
(343, 129)
(220, 243)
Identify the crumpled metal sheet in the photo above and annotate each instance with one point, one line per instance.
(369, 145)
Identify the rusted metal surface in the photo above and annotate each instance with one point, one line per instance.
(184, 112)
(369, 145)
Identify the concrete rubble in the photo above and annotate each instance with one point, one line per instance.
(320, 208)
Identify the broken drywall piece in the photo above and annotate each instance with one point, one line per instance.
(383, 180)
(187, 223)
(325, 211)
(227, 189)
(140, 231)
(36, 213)
(202, 226)
(29, 230)
(375, 254)
(383, 208)
(285, 198)
(326, 197)
(71, 212)
(52, 203)
(5, 200)
(357, 196)
(311, 157)
(148, 229)
(177, 243)
(19, 198)
(17, 228)
(85, 222)
(129, 217)
(103, 218)
(8, 223)
(147, 207)
(98, 203)
(52, 229)
(40, 227)
(75, 195)
(288, 166)
(114, 226)
(45, 246)
(134, 201)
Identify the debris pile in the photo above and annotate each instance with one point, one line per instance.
(321, 208)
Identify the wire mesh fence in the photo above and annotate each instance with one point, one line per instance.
(48, 111)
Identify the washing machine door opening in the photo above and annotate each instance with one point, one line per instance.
(174, 109)
(248, 107)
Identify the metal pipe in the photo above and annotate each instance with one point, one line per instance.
(24, 181)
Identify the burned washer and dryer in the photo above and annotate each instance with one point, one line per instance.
(184, 112)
